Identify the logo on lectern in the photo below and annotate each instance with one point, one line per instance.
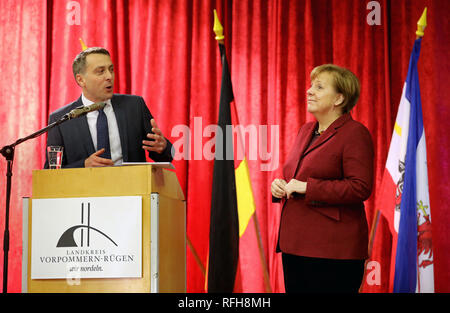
(92, 237)
(67, 239)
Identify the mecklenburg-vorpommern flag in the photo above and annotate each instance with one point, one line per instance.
(404, 198)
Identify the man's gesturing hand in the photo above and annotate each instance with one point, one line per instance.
(94, 160)
(159, 143)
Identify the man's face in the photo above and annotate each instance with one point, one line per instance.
(97, 81)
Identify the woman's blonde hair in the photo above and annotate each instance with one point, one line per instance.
(345, 83)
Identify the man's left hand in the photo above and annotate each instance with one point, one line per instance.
(159, 142)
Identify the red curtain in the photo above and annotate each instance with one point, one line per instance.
(23, 110)
(165, 51)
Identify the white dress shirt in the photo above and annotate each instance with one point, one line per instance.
(113, 129)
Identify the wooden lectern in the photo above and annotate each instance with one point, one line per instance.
(163, 225)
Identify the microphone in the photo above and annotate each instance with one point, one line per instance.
(83, 110)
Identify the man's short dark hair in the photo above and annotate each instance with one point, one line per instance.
(79, 64)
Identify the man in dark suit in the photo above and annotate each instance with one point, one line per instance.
(120, 132)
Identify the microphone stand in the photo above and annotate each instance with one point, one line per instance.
(8, 153)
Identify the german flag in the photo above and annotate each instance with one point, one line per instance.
(224, 222)
(232, 202)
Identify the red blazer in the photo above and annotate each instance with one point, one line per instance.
(329, 221)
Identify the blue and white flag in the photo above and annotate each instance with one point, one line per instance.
(414, 253)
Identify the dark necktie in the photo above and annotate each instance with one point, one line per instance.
(103, 134)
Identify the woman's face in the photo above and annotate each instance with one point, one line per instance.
(322, 97)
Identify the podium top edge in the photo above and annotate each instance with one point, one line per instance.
(153, 164)
(165, 165)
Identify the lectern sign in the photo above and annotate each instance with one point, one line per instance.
(98, 237)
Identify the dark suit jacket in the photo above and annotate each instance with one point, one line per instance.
(133, 120)
(329, 221)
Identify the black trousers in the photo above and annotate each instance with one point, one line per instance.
(316, 275)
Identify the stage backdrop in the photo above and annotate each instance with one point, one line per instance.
(165, 51)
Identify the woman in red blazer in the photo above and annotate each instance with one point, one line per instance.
(323, 233)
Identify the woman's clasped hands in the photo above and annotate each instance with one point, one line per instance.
(280, 188)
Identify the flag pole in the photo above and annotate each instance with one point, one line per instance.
(261, 255)
(196, 256)
(83, 45)
(421, 24)
(218, 30)
(375, 222)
